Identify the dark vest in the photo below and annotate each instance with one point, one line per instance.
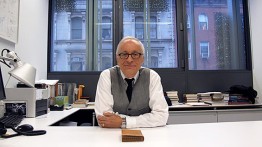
(139, 103)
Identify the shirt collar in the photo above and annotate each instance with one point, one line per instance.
(123, 76)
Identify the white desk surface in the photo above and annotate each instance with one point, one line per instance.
(229, 134)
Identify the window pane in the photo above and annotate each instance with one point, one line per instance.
(153, 27)
(139, 30)
(204, 50)
(103, 35)
(76, 28)
(81, 42)
(68, 45)
(154, 23)
(203, 22)
(106, 28)
(217, 40)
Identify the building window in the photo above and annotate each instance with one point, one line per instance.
(76, 66)
(203, 22)
(139, 27)
(106, 28)
(154, 61)
(76, 28)
(189, 50)
(106, 62)
(188, 21)
(204, 50)
(153, 27)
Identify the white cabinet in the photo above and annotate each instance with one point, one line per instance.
(187, 117)
(239, 115)
(215, 114)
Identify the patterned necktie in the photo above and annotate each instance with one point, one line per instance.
(129, 88)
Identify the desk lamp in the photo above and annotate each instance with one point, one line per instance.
(23, 72)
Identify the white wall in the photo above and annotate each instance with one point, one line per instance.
(256, 42)
(32, 39)
(32, 42)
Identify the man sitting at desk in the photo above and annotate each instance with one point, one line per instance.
(128, 95)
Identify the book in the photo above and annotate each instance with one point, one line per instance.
(67, 89)
(132, 135)
(81, 103)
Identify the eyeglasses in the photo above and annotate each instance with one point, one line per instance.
(126, 55)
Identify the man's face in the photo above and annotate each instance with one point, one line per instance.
(129, 65)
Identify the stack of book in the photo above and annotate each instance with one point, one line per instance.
(204, 96)
(189, 98)
(226, 97)
(210, 96)
(80, 103)
(173, 96)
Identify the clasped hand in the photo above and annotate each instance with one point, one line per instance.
(109, 120)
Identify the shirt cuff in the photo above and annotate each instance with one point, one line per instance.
(130, 122)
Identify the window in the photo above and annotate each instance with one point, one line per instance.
(139, 27)
(188, 42)
(204, 50)
(153, 27)
(154, 61)
(106, 28)
(90, 40)
(91, 29)
(76, 66)
(225, 46)
(189, 50)
(76, 28)
(203, 22)
(142, 19)
(100, 51)
(188, 21)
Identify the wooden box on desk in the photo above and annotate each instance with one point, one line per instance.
(35, 105)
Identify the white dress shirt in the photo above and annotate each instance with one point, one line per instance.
(159, 109)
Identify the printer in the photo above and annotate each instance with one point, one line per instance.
(32, 102)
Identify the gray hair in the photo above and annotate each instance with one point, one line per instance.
(130, 38)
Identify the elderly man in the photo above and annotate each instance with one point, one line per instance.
(128, 95)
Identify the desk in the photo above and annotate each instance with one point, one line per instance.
(185, 114)
(226, 134)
